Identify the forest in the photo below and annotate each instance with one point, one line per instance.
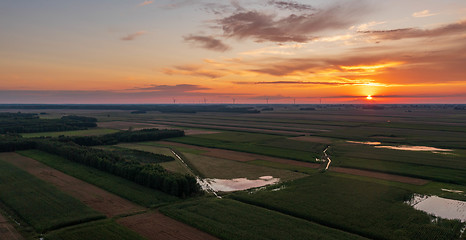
(30, 122)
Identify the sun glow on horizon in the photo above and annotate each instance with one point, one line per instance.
(369, 97)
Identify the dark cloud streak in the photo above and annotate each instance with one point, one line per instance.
(293, 28)
(291, 5)
(207, 42)
(403, 33)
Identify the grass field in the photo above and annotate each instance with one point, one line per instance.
(250, 147)
(373, 210)
(41, 205)
(278, 165)
(88, 132)
(153, 147)
(450, 168)
(119, 186)
(99, 230)
(232, 220)
(212, 167)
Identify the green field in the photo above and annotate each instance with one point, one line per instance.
(232, 220)
(38, 203)
(88, 132)
(99, 230)
(450, 168)
(124, 188)
(260, 147)
(211, 167)
(369, 209)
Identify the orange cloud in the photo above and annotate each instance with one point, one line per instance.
(370, 68)
(145, 3)
(193, 70)
(133, 36)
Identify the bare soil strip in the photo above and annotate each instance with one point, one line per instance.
(379, 175)
(198, 131)
(312, 139)
(150, 225)
(96, 198)
(155, 226)
(7, 231)
(241, 156)
(121, 125)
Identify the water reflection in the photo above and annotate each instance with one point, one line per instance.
(415, 148)
(440, 207)
(367, 143)
(406, 147)
(236, 184)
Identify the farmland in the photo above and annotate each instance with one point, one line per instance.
(38, 203)
(104, 230)
(230, 219)
(368, 209)
(136, 193)
(362, 194)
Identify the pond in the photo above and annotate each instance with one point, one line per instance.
(439, 207)
(236, 184)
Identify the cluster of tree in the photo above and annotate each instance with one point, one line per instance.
(141, 156)
(30, 122)
(150, 175)
(307, 109)
(166, 108)
(11, 143)
(152, 134)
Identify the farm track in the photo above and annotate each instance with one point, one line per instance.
(149, 225)
(7, 231)
(242, 156)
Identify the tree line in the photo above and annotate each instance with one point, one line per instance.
(30, 122)
(152, 134)
(77, 149)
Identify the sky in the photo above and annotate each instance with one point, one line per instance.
(237, 51)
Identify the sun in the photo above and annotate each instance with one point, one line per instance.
(369, 97)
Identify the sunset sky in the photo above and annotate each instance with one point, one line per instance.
(128, 51)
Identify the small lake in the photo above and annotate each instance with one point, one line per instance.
(236, 184)
(440, 207)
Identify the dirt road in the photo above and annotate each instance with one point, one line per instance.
(7, 231)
